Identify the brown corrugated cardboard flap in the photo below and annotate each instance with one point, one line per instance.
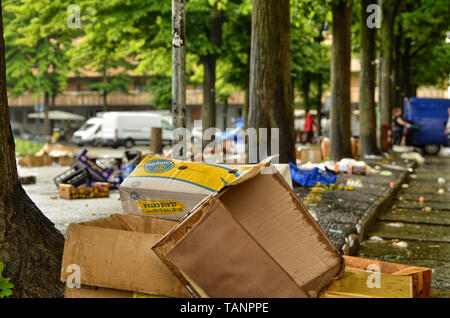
(116, 253)
(253, 238)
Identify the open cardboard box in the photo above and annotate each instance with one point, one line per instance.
(169, 188)
(253, 238)
(395, 280)
(116, 260)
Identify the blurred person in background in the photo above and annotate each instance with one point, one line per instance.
(309, 127)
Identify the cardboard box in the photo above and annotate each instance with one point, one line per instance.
(253, 238)
(325, 146)
(32, 161)
(115, 253)
(395, 280)
(66, 160)
(310, 154)
(169, 188)
(100, 292)
(98, 190)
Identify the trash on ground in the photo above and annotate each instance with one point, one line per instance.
(97, 190)
(395, 280)
(440, 191)
(413, 156)
(354, 183)
(309, 154)
(413, 176)
(391, 184)
(27, 180)
(440, 180)
(396, 224)
(248, 217)
(400, 244)
(405, 186)
(132, 268)
(386, 173)
(336, 231)
(309, 178)
(375, 238)
(421, 199)
(427, 209)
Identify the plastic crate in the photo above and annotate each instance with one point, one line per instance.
(309, 178)
(73, 176)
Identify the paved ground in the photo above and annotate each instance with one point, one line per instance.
(424, 227)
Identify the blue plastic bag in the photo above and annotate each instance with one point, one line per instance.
(309, 178)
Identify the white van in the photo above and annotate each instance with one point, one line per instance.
(132, 128)
(88, 133)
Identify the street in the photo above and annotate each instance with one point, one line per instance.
(423, 226)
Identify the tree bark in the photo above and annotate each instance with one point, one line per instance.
(368, 124)
(340, 82)
(319, 105)
(305, 89)
(270, 102)
(30, 246)
(387, 46)
(46, 110)
(209, 77)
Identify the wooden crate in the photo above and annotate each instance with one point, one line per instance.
(98, 190)
(396, 280)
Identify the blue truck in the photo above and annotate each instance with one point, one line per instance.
(428, 118)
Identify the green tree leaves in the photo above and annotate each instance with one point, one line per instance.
(5, 286)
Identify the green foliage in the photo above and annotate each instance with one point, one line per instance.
(5, 286)
(27, 147)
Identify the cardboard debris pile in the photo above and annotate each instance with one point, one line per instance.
(49, 154)
(203, 230)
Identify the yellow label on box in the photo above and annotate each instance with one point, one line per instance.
(208, 176)
(160, 207)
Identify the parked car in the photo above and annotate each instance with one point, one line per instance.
(428, 118)
(132, 128)
(89, 132)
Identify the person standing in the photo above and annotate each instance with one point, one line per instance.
(398, 124)
(309, 127)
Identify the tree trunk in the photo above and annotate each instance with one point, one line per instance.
(387, 46)
(396, 92)
(105, 102)
(368, 123)
(305, 90)
(30, 246)
(46, 109)
(340, 82)
(319, 105)
(270, 75)
(209, 77)
(406, 69)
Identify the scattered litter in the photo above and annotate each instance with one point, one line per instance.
(397, 224)
(336, 231)
(426, 209)
(393, 167)
(354, 183)
(434, 246)
(400, 244)
(400, 198)
(410, 169)
(376, 238)
(309, 178)
(386, 173)
(413, 176)
(440, 191)
(391, 184)
(405, 186)
(413, 156)
(440, 180)
(53, 197)
(421, 199)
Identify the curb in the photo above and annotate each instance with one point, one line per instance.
(351, 247)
